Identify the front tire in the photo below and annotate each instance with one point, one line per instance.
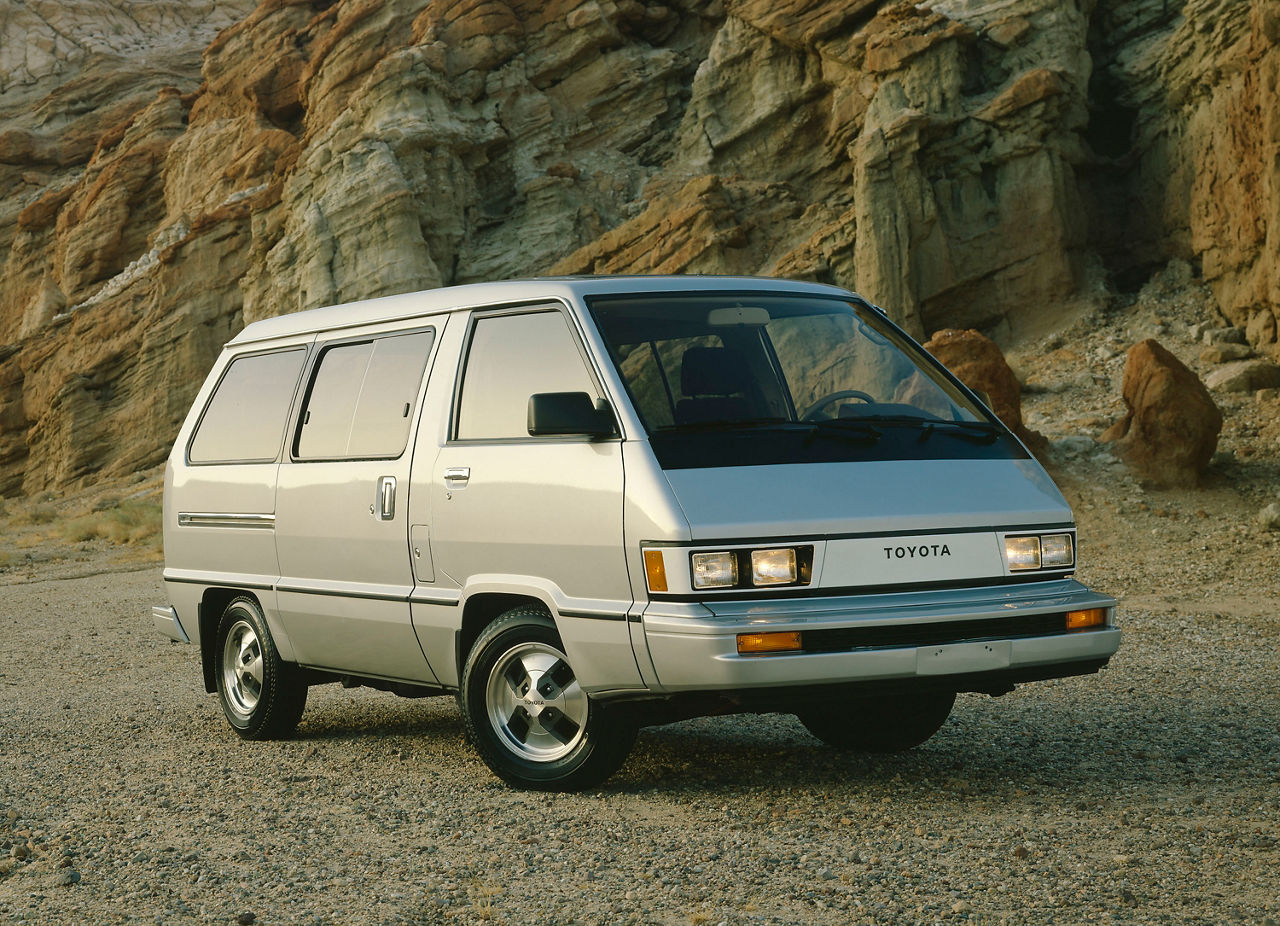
(885, 723)
(262, 695)
(528, 717)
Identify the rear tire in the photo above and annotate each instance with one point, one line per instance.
(528, 717)
(885, 723)
(262, 695)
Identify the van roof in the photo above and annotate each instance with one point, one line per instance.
(476, 295)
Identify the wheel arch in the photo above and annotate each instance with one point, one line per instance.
(213, 602)
(480, 610)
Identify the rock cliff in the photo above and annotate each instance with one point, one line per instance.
(182, 168)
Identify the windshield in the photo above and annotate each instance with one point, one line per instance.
(748, 378)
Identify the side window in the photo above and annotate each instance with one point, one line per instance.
(512, 357)
(244, 421)
(361, 398)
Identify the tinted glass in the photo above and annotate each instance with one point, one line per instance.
(244, 421)
(326, 421)
(362, 397)
(381, 424)
(512, 357)
(741, 379)
(652, 371)
(834, 364)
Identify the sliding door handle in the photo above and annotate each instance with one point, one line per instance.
(457, 475)
(386, 500)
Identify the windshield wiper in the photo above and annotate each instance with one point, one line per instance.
(855, 429)
(728, 424)
(980, 432)
(835, 429)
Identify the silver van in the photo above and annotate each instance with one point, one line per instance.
(586, 505)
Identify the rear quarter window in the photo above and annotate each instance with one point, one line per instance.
(245, 419)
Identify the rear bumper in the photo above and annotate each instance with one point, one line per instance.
(694, 646)
(166, 622)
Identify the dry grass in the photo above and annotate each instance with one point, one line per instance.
(482, 895)
(31, 539)
(129, 522)
(117, 524)
(39, 513)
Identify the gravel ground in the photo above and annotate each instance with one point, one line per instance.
(1147, 794)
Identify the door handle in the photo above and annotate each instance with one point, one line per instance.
(386, 500)
(457, 475)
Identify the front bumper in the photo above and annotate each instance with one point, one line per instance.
(694, 645)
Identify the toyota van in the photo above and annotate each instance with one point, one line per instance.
(585, 505)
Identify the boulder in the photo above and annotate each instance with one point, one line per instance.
(979, 364)
(1244, 376)
(1171, 430)
(1213, 336)
(1225, 353)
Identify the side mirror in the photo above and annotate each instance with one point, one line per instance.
(563, 413)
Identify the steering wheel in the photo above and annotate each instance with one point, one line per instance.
(811, 413)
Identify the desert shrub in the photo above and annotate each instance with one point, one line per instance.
(106, 503)
(37, 514)
(129, 522)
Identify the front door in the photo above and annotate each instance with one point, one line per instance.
(540, 517)
(342, 505)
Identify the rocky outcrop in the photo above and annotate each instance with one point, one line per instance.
(73, 76)
(1171, 429)
(1186, 147)
(177, 169)
(96, 346)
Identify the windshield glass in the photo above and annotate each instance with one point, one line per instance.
(748, 378)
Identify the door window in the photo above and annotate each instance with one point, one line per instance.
(362, 397)
(512, 357)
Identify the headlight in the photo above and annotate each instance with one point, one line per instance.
(773, 567)
(1057, 550)
(1023, 552)
(715, 570)
(1040, 551)
(679, 570)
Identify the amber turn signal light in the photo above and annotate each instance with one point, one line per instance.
(1082, 620)
(655, 571)
(763, 644)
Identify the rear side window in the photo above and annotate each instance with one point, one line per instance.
(512, 357)
(244, 421)
(362, 397)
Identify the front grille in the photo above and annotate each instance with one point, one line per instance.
(932, 634)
